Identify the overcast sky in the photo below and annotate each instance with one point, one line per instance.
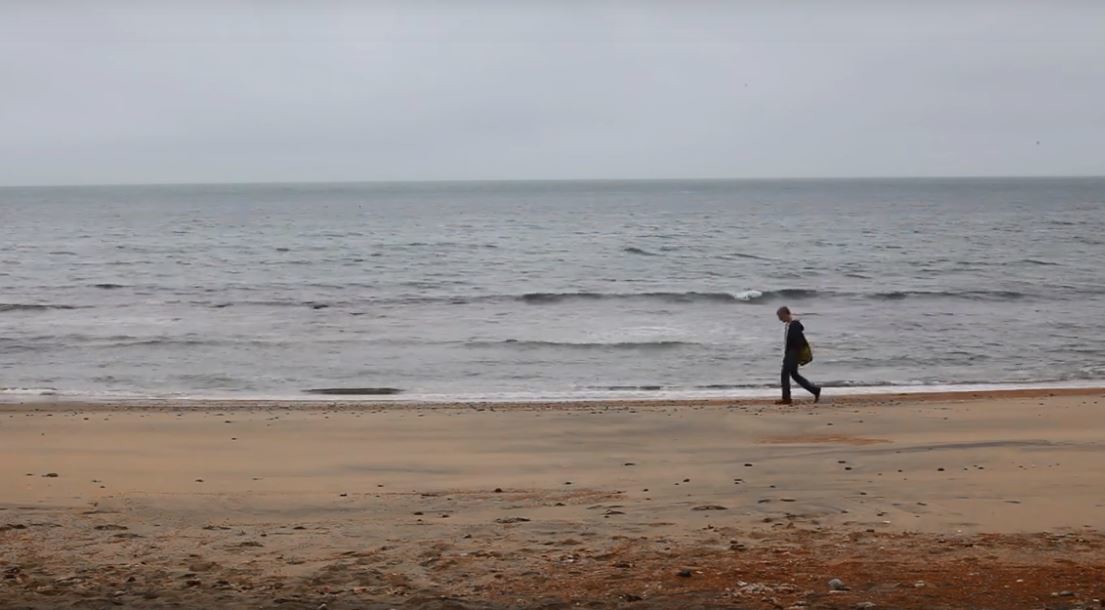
(146, 92)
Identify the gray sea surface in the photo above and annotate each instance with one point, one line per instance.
(532, 290)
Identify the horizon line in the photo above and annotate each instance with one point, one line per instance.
(547, 180)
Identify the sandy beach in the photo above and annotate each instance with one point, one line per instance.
(979, 500)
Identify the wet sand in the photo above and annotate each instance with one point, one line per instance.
(992, 500)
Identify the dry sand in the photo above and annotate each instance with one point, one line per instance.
(992, 500)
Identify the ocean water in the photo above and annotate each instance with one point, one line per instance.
(548, 289)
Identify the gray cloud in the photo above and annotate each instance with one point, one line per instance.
(113, 92)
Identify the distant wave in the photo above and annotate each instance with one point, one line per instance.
(270, 303)
(638, 345)
(28, 391)
(750, 296)
(745, 255)
(536, 298)
(354, 391)
(793, 293)
(973, 295)
(639, 251)
(542, 298)
(32, 307)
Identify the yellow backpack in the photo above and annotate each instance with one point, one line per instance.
(806, 355)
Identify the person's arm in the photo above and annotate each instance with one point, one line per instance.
(796, 336)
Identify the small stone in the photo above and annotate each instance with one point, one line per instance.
(685, 573)
(199, 480)
(498, 490)
(837, 585)
(51, 475)
(864, 605)
(709, 507)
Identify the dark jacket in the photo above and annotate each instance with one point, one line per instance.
(796, 338)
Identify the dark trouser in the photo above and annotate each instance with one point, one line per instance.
(790, 369)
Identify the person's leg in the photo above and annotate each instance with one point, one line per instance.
(805, 383)
(785, 384)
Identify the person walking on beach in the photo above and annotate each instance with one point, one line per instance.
(794, 344)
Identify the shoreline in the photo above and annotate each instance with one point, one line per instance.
(67, 403)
